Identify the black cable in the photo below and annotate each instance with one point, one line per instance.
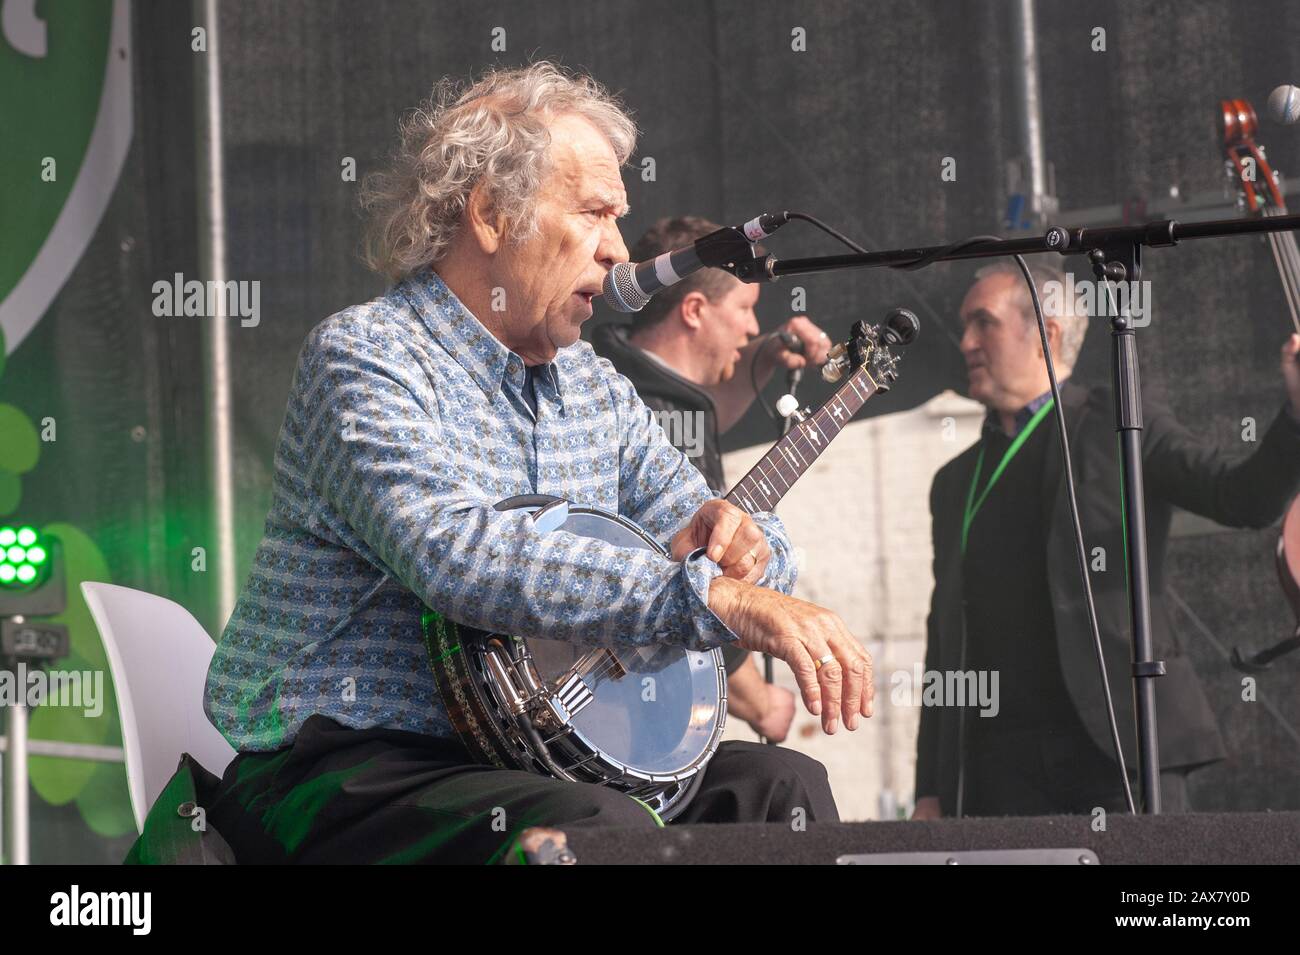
(753, 366)
(753, 375)
(827, 229)
(939, 319)
(1078, 528)
(925, 260)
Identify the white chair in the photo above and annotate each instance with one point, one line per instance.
(158, 654)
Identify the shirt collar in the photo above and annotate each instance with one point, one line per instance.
(657, 360)
(993, 423)
(483, 356)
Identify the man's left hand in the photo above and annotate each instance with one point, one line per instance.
(1291, 374)
(816, 347)
(730, 537)
(775, 722)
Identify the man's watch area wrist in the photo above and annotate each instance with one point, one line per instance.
(725, 594)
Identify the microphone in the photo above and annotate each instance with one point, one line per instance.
(791, 341)
(628, 287)
(1284, 105)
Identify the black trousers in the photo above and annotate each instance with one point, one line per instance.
(340, 795)
(1051, 770)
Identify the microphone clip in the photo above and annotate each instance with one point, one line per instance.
(724, 248)
(731, 251)
(757, 268)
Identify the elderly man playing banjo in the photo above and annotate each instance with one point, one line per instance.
(434, 440)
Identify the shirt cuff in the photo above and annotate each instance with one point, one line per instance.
(710, 631)
(781, 571)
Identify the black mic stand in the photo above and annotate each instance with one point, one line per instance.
(792, 384)
(1116, 255)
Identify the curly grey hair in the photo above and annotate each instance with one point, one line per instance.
(495, 131)
(1073, 322)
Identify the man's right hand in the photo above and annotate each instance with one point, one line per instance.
(927, 807)
(801, 633)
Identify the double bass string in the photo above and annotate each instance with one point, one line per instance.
(1287, 258)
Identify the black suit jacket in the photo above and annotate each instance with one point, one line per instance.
(1178, 471)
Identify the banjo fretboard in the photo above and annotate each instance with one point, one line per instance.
(775, 473)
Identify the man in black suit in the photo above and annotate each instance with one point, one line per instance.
(1007, 595)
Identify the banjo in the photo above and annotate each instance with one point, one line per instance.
(644, 720)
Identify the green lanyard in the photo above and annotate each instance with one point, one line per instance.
(972, 505)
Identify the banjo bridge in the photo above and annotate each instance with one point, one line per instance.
(574, 691)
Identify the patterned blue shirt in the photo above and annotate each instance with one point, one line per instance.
(406, 423)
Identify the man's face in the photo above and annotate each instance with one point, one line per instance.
(1004, 358)
(726, 326)
(550, 279)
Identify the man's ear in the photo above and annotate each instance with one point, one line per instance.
(692, 310)
(486, 225)
(1054, 335)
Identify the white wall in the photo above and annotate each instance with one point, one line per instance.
(860, 522)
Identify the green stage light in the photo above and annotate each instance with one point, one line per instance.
(24, 558)
(33, 579)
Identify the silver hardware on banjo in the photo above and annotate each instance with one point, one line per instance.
(583, 713)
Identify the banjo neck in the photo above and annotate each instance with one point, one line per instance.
(775, 473)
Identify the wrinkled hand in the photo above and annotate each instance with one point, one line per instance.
(731, 540)
(1291, 373)
(801, 633)
(816, 346)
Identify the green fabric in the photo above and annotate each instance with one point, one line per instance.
(170, 837)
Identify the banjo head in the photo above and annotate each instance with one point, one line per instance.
(644, 720)
(656, 710)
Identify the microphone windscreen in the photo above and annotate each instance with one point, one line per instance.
(1284, 105)
(621, 291)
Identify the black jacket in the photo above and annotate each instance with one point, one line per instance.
(1178, 471)
(664, 390)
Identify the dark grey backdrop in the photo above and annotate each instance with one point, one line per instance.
(853, 130)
